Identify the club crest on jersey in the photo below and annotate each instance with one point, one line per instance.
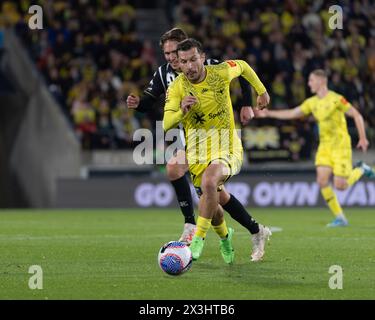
(231, 63)
(343, 100)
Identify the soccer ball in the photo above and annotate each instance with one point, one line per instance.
(175, 258)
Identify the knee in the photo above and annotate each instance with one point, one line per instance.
(340, 185)
(218, 217)
(208, 185)
(224, 197)
(175, 171)
(322, 182)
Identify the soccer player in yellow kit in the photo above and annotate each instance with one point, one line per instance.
(199, 98)
(334, 155)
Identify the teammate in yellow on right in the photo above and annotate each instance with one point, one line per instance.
(334, 155)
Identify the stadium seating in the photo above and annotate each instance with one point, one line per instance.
(91, 55)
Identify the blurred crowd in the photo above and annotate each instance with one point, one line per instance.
(91, 57)
(285, 40)
(90, 54)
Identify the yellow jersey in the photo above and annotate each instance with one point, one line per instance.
(210, 121)
(329, 112)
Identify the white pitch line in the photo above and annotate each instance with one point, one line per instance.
(276, 229)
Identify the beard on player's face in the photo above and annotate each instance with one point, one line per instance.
(194, 73)
(191, 64)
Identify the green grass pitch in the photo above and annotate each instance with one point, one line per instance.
(112, 254)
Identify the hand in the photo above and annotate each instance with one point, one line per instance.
(187, 103)
(263, 101)
(246, 114)
(132, 101)
(261, 113)
(363, 144)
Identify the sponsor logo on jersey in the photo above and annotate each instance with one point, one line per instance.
(231, 63)
(217, 114)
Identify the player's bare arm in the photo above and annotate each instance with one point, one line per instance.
(360, 125)
(288, 114)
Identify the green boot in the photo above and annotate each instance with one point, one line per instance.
(196, 247)
(226, 247)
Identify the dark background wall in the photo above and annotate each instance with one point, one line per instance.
(36, 143)
(12, 108)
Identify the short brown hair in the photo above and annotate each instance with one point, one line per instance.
(188, 44)
(175, 34)
(320, 73)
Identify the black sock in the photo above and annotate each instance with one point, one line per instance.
(185, 200)
(239, 213)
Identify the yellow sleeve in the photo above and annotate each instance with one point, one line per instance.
(343, 105)
(172, 111)
(306, 107)
(241, 68)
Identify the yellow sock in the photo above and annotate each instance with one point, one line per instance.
(331, 199)
(203, 225)
(221, 230)
(355, 175)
